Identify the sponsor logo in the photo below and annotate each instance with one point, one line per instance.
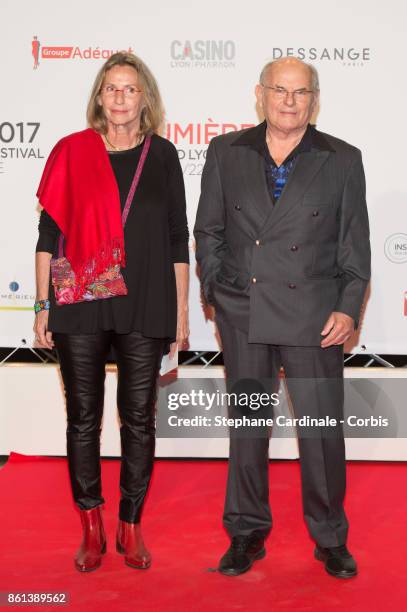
(41, 52)
(35, 51)
(57, 52)
(395, 248)
(191, 140)
(202, 54)
(14, 299)
(347, 56)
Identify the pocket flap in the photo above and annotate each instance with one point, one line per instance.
(317, 200)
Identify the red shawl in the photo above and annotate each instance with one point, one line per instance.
(79, 191)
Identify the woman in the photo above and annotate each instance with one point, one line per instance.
(85, 186)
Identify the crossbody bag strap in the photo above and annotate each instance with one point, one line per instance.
(136, 179)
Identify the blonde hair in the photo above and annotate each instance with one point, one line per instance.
(152, 114)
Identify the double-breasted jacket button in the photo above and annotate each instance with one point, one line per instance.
(294, 247)
(237, 207)
(254, 280)
(292, 285)
(257, 242)
(315, 213)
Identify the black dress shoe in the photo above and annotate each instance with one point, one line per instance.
(338, 561)
(243, 550)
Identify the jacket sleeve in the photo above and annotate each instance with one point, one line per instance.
(353, 255)
(209, 228)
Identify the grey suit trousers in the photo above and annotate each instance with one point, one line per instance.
(322, 456)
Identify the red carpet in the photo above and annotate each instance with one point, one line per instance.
(40, 531)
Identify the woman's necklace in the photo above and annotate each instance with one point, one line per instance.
(112, 146)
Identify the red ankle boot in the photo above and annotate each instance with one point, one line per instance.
(89, 555)
(130, 543)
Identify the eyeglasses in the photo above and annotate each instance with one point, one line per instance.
(129, 91)
(299, 95)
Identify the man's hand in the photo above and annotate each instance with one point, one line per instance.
(338, 329)
(43, 337)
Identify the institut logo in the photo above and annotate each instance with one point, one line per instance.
(395, 248)
(41, 52)
(203, 53)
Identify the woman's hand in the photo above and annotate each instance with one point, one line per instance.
(182, 332)
(182, 281)
(43, 337)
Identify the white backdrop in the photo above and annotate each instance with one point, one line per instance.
(22, 400)
(206, 57)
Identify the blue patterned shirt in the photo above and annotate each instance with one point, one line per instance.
(277, 176)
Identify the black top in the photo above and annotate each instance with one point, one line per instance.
(155, 237)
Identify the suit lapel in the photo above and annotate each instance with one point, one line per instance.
(251, 167)
(300, 178)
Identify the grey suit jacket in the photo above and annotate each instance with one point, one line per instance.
(277, 272)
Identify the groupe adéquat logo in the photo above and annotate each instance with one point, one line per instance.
(41, 52)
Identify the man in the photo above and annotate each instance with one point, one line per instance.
(282, 240)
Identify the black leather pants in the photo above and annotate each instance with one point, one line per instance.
(82, 359)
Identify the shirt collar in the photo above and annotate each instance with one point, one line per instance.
(312, 139)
